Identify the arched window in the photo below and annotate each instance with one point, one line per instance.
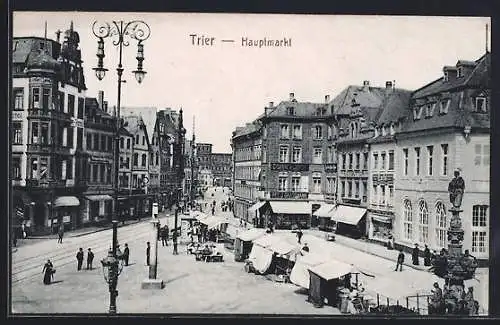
(353, 130)
(423, 226)
(407, 221)
(441, 225)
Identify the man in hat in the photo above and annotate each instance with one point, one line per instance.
(427, 256)
(79, 258)
(90, 258)
(148, 251)
(401, 259)
(436, 299)
(414, 255)
(456, 189)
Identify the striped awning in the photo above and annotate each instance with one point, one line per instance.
(66, 201)
(256, 206)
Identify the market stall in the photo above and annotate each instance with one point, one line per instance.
(300, 271)
(243, 242)
(324, 280)
(259, 260)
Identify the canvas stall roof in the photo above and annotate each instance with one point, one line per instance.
(201, 216)
(256, 206)
(332, 269)
(213, 222)
(347, 214)
(323, 211)
(290, 207)
(251, 234)
(261, 258)
(267, 240)
(281, 247)
(300, 271)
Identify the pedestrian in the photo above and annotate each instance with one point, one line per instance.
(427, 256)
(299, 235)
(48, 270)
(90, 258)
(174, 240)
(414, 255)
(401, 259)
(164, 236)
(305, 248)
(126, 254)
(148, 250)
(61, 233)
(437, 300)
(470, 302)
(213, 210)
(79, 258)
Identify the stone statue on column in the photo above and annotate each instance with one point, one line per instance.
(456, 189)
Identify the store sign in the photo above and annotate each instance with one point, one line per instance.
(77, 122)
(289, 167)
(17, 116)
(66, 219)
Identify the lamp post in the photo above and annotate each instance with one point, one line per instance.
(120, 33)
(112, 267)
(179, 148)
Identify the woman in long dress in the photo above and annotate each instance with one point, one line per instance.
(48, 271)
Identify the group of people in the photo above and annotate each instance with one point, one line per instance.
(453, 300)
(80, 256)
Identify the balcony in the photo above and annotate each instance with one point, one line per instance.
(45, 113)
(288, 195)
(62, 150)
(49, 184)
(331, 168)
(40, 148)
(290, 167)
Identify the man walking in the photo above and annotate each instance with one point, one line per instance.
(90, 258)
(79, 258)
(148, 250)
(414, 255)
(299, 235)
(427, 256)
(61, 233)
(164, 236)
(401, 259)
(126, 253)
(174, 240)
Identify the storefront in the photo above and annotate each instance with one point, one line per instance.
(380, 227)
(286, 214)
(66, 210)
(254, 212)
(98, 209)
(350, 220)
(324, 214)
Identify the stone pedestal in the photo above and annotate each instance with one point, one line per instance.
(153, 284)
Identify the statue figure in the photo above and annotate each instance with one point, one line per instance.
(456, 189)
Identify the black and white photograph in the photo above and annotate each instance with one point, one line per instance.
(249, 164)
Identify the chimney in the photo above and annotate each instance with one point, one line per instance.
(366, 85)
(105, 106)
(327, 99)
(100, 99)
(271, 104)
(292, 97)
(388, 85)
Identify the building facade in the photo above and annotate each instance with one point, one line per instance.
(447, 128)
(204, 152)
(48, 169)
(221, 169)
(125, 173)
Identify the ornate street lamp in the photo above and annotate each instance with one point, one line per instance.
(120, 32)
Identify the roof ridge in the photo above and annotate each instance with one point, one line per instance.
(478, 63)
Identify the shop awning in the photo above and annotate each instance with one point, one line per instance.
(256, 206)
(102, 197)
(266, 241)
(384, 219)
(324, 211)
(348, 215)
(66, 201)
(290, 207)
(251, 234)
(331, 269)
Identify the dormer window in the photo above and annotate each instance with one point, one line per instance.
(443, 106)
(417, 112)
(391, 129)
(290, 111)
(376, 132)
(429, 109)
(460, 72)
(481, 104)
(384, 130)
(446, 77)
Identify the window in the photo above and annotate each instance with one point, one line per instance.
(136, 139)
(480, 228)
(18, 99)
(423, 227)
(17, 132)
(101, 173)
(80, 107)
(285, 133)
(290, 111)
(34, 168)
(357, 160)
(318, 132)
(443, 106)
(417, 112)
(128, 143)
(343, 189)
(480, 104)
(108, 174)
(349, 188)
(382, 161)
(482, 154)
(143, 140)
(350, 161)
(365, 160)
(417, 161)
(407, 220)
(297, 131)
(122, 143)
(103, 143)
(69, 168)
(444, 159)
(71, 105)
(429, 109)
(297, 154)
(375, 161)
(79, 138)
(44, 133)
(330, 155)
(282, 184)
(96, 141)
(391, 195)
(316, 184)
(283, 154)
(94, 173)
(405, 161)
(157, 159)
(296, 184)
(391, 159)
(318, 156)
(430, 152)
(356, 193)
(441, 225)
(89, 141)
(330, 185)
(45, 98)
(144, 160)
(136, 159)
(382, 195)
(343, 161)
(16, 167)
(36, 97)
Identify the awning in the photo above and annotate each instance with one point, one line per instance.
(281, 247)
(300, 272)
(102, 197)
(251, 234)
(266, 241)
(66, 201)
(290, 207)
(323, 211)
(384, 219)
(331, 269)
(256, 206)
(347, 214)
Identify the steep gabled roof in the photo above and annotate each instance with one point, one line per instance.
(301, 109)
(395, 107)
(372, 97)
(148, 115)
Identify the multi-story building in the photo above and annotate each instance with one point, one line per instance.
(221, 169)
(48, 167)
(357, 109)
(167, 127)
(447, 128)
(246, 144)
(100, 129)
(203, 152)
(140, 200)
(125, 173)
(382, 176)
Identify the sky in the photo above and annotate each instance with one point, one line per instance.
(226, 85)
